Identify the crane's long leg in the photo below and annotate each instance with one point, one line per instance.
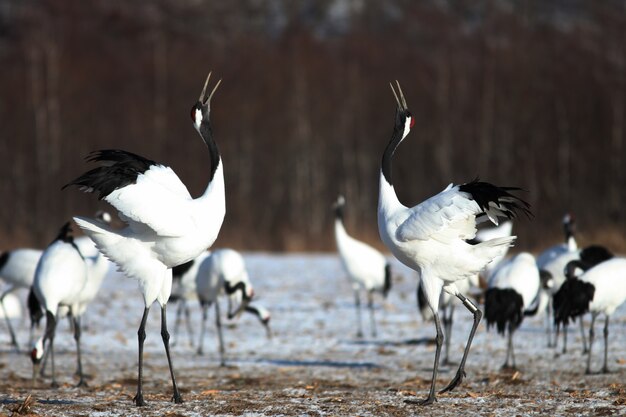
(439, 343)
(220, 336)
(582, 333)
(460, 373)
(77, 333)
(370, 306)
(605, 368)
(447, 326)
(8, 320)
(550, 324)
(51, 324)
(205, 313)
(141, 336)
(166, 342)
(510, 352)
(188, 321)
(591, 336)
(357, 304)
(179, 317)
(565, 337)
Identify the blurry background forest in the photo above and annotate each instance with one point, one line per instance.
(527, 93)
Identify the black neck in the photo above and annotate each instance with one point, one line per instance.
(239, 286)
(214, 153)
(396, 137)
(569, 232)
(571, 267)
(339, 212)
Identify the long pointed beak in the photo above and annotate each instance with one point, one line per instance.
(268, 331)
(36, 367)
(202, 98)
(400, 100)
(206, 83)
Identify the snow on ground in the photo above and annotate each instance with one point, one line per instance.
(314, 365)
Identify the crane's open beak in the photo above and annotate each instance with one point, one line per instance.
(401, 101)
(202, 98)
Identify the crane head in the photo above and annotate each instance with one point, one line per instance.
(200, 111)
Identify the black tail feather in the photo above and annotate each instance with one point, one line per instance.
(572, 300)
(35, 309)
(503, 306)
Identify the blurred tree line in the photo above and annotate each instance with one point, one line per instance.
(526, 93)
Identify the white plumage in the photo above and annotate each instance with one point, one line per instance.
(432, 237)
(570, 244)
(165, 225)
(17, 269)
(60, 278)
(367, 268)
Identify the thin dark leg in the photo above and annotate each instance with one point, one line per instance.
(141, 336)
(220, 336)
(370, 306)
(565, 338)
(179, 317)
(51, 324)
(357, 304)
(550, 324)
(510, 353)
(166, 342)
(188, 321)
(447, 326)
(79, 371)
(582, 333)
(460, 373)
(591, 337)
(439, 341)
(205, 313)
(8, 320)
(605, 368)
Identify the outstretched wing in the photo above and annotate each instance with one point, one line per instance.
(141, 190)
(452, 213)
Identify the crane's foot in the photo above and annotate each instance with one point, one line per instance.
(605, 370)
(82, 384)
(507, 367)
(177, 399)
(427, 401)
(456, 381)
(54, 385)
(139, 402)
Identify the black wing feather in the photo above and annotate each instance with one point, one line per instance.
(119, 169)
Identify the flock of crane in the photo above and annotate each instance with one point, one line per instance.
(167, 233)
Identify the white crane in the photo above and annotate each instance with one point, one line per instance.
(60, 278)
(432, 237)
(17, 269)
(367, 268)
(585, 259)
(554, 271)
(599, 290)
(223, 272)
(165, 225)
(513, 287)
(570, 245)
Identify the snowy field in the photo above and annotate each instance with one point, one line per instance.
(314, 365)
